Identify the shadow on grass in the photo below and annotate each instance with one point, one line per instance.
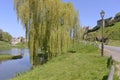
(105, 77)
(72, 51)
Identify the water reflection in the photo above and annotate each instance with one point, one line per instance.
(10, 68)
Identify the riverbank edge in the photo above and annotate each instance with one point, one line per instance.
(4, 57)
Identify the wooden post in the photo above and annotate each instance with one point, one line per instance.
(111, 74)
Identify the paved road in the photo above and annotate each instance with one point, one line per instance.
(114, 51)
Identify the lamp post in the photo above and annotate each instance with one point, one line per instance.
(102, 13)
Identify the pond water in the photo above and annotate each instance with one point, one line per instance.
(10, 68)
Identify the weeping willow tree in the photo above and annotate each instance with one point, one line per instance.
(48, 24)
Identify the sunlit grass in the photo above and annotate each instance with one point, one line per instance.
(21, 45)
(85, 64)
(4, 45)
(114, 43)
(111, 32)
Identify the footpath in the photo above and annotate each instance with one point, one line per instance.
(115, 53)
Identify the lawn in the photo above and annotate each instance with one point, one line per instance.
(85, 64)
(4, 45)
(20, 45)
(114, 43)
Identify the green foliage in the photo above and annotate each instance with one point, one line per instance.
(1, 34)
(6, 37)
(48, 24)
(76, 66)
(118, 14)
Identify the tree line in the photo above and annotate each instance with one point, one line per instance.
(48, 25)
(5, 36)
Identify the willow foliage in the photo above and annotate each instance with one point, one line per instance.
(48, 24)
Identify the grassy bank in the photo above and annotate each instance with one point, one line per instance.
(21, 45)
(85, 64)
(111, 32)
(4, 45)
(114, 43)
(5, 57)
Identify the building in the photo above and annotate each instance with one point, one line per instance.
(108, 21)
(15, 41)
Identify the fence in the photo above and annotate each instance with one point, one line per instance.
(111, 74)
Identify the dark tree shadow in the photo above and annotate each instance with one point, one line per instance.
(72, 51)
(105, 77)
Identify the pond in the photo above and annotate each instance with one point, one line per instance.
(10, 68)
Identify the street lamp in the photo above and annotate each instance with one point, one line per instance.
(102, 13)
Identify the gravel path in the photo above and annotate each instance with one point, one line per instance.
(113, 51)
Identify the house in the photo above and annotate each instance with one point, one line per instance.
(108, 21)
(15, 41)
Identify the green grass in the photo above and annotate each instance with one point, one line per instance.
(21, 45)
(4, 45)
(85, 64)
(113, 32)
(114, 43)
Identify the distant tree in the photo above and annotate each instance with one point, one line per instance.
(1, 34)
(22, 40)
(117, 17)
(6, 36)
(118, 14)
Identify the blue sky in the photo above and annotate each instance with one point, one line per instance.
(89, 13)
(8, 19)
(89, 10)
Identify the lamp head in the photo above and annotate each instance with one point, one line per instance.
(102, 13)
